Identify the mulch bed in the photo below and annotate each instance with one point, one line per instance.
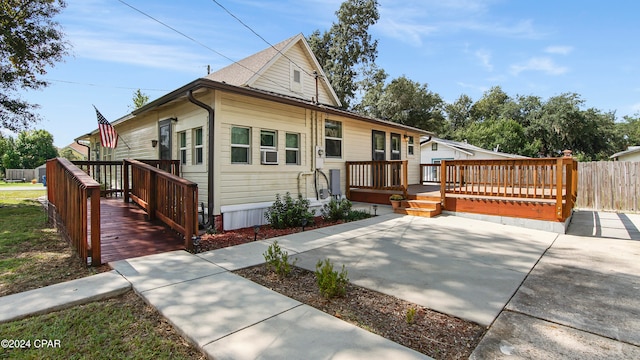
(432, 333)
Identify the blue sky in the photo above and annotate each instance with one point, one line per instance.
(542, 48)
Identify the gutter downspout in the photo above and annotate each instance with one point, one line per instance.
(88, 149)
(210, 159)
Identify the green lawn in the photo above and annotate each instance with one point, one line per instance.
(118, 328)
(20, 184)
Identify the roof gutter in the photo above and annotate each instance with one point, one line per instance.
(210, 157)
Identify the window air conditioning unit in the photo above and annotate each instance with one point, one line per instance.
(269, 157)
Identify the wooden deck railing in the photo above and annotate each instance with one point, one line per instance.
(377, 175)
(430, 173)
(164, 196)
(68, 190)
(550, 179)
(110, 174)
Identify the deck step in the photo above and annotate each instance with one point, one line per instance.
(424, 208)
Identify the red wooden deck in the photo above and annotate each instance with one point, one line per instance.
(126, 233)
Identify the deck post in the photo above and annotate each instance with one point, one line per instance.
(559, 188)
(96, 256)
(151, 188)
(125, 180)
(405, 177)
(443, 183)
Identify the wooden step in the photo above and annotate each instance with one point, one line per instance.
(421, 204)
(418, 212)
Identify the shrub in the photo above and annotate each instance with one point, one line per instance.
(336, 210)
(330, 282)
(396, 197)
(278, 260)
(286, 212)
(357, 214)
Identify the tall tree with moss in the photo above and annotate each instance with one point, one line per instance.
(30, 42)
(346, 50)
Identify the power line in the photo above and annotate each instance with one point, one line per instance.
(198, 42)
(262, 38)
(103, 86)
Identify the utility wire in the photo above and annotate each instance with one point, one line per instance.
(103, 86)
(198, 42)
(260, 36)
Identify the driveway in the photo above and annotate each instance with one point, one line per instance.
(581, 301)
(462, 267)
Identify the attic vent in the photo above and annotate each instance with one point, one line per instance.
(295, 80)
(269, 157)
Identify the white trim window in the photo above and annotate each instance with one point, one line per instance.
(240, 145)
(410, 146)
(198, 146)
(182, 142)
(292, 149)
(268, 139)
(333, 139)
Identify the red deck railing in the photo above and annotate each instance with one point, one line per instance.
(164, 196)
(68, 189)
(547, 179)
(377, 175)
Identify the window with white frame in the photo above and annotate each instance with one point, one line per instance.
(333, 139)
(292, 148)
(410, 145)
(268, 139)
(240, 145)
(182, 142)
(198, 147)
(434, 146)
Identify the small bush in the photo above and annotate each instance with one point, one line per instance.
(411, 315)
(330, 282)
(287, 212)
(357, 214)
(278, 260)
(336, 210)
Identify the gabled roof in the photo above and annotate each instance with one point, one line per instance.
(630, 150)
(248, 71)
(467, 148)
(82, 150)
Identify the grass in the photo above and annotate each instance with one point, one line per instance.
(32, 254)
(118, 328)
(27, 184)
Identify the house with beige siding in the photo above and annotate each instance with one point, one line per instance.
(265, 125)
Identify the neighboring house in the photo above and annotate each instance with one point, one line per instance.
(434, 150)
(266, 125)
(631, 154)
(74, 151)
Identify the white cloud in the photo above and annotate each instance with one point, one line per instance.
(561, 50)
(485, 58)
(542, 64)
(478, 88)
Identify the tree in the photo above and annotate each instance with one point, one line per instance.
(30, 41)
(139, 100)
(491, 105)
(458, 113)
(346, 50)
(30, 150)
(409, 103)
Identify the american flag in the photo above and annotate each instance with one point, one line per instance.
(108, 135)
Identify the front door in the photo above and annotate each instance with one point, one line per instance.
(164, 142)
(378, 153)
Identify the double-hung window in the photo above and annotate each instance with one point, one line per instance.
(198, 147)
(240, 145)
(182, 141)
(333, 139)
(292, 148)
(410, 145)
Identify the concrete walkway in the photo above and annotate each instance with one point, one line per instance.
(580, 297)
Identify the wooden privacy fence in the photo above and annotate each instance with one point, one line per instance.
(609, 185)
(164, 196)
(377, 175)
(68, 189)
(553, 179)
